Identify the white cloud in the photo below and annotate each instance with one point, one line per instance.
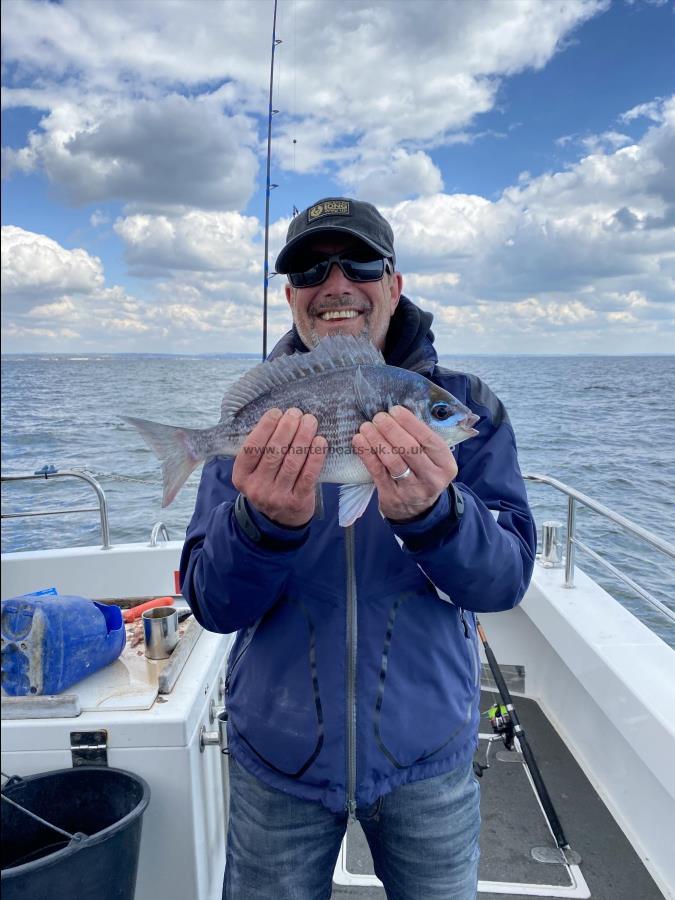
(102, 70)
(146, 108)
(651, 110)
(578, 259)
(57, 298)
(403, 174)
(608, 140)
(195, 240)
(170, 152)
(608, 222)
(34, 265)
(98, 218)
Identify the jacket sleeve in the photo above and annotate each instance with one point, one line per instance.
(477, 544)
(231, 575)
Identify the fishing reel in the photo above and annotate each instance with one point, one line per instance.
(502, 726)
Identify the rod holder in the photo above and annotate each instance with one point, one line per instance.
(551, 549)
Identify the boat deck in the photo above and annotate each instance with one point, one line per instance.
(513, 824)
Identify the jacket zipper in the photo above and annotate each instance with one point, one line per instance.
(352, 635)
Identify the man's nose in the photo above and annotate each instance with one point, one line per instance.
(336, 282)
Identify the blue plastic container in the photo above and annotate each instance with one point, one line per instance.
(51, 641)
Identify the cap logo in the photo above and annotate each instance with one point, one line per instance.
(328, 208)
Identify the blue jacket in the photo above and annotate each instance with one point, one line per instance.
(356, 667)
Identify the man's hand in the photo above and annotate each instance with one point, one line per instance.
(279, 465)
(394, 442)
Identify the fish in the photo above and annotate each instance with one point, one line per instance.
(343, 381)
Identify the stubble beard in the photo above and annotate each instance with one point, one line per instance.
(312, 337)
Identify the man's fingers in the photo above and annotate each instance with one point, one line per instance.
(433, 444)
(395, 449)
(276, 449)
(370, 458)
(295, 456)
(313, 464)
(252, 450)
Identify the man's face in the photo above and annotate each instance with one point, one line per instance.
(341, 306)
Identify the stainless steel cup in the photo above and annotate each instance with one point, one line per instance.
(552, 544)
(160, 627)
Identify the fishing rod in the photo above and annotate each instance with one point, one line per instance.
(269, 186)
(514, 729)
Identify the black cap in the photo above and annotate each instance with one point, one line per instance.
(343, 215)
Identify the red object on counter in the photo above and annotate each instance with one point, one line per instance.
(176, 581)
(130, 615)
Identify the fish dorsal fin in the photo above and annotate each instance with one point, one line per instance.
(340, 351)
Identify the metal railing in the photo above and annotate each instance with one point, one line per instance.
(158, 529)
(49, 472)
(572, 541)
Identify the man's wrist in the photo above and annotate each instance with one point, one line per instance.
(442, 519)
(265, 532)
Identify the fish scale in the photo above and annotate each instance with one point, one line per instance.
(338, 422)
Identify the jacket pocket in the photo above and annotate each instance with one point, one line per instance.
(274, 704)
(427, 681)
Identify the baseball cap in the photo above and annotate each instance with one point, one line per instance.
(341, 214)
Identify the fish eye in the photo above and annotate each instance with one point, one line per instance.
(441, 411)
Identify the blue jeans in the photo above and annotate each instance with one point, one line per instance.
(423, 838)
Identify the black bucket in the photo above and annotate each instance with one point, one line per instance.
(103, 808)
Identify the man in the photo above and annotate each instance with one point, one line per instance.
(353, 684)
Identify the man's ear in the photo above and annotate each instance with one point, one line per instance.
(288, 290)
(396, 289)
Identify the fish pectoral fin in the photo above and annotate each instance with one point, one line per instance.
(368, 398)
(354, 498)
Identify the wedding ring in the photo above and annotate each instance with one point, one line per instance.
(405, 474)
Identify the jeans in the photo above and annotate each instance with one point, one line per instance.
(423, 838)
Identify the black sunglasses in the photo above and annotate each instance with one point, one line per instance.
(354, 268)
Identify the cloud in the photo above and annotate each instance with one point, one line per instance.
(556, 260)
(651, 110)
(196, 240)
(403, 174)
(166, 153)
(607, 220)
(149, 108)
(35, 266)
(608, 140)
(57, 299)
(98, 218)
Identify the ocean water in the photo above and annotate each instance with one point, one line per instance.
(604, 425)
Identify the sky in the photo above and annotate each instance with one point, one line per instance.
(523, 151)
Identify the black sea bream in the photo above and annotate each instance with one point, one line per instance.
(344, 382)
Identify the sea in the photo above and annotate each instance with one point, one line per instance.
(604, 425)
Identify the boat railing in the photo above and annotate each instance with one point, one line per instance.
(572, 541)
(159, 529)
(49, 472)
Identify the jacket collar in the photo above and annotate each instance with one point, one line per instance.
(409, 343)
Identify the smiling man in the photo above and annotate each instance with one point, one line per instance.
(353, 685)
(340, 260)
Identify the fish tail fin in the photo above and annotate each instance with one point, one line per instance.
(173, 447)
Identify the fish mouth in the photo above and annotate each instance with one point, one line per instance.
(468, 422)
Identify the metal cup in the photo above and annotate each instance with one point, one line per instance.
(160, 627)
(552, 541)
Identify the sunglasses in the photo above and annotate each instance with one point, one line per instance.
(355, 267)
